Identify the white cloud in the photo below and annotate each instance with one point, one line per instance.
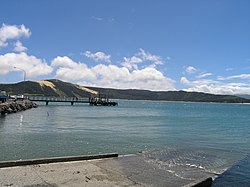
(232, 85)
(215, 87)
(142, 57)
(131, 63)
(98, 56)
(203, 75)
(229, 69)
(199, 74)
(100, 19)
(147, 74)
(191, 69)
(241, 76)
(185, 81)
(112, 76)
(149, 57)
(69, 70)
(110, 72)
(64, 62)
(18, 47)
(81, 72)
(97, 18)
(10, 32)
(32, 65)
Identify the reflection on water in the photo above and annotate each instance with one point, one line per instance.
(21, 120)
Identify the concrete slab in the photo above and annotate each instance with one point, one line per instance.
(130, 171)
(78, 173)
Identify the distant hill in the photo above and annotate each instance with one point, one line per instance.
(51, 87)
(246, 96)
(59, 88)
(169, 95)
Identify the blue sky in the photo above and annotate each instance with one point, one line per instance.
(192, 45)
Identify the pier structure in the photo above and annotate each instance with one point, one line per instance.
(91, 100)
(47, 100)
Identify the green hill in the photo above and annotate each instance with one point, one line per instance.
(64, 89)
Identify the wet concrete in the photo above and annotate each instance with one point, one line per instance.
(132, 170)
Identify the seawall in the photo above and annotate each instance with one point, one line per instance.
(16, 106)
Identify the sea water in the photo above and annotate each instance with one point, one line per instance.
(210, 136)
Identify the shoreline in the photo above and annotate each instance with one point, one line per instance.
(26, 162)
(97, 170)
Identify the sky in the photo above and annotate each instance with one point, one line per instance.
(191, 45)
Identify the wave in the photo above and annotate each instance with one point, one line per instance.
(187, 163)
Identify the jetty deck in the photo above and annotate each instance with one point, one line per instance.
(47, 100)
(73, 100)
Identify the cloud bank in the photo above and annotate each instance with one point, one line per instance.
(111, 76)
(33, 66)
(217, 85)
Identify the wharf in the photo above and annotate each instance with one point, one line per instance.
(130, 171)
(91, 100)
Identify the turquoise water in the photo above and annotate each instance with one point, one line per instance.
(204, 132)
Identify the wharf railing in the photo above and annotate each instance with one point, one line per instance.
(71, 100)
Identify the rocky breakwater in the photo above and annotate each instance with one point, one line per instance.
(16, 106)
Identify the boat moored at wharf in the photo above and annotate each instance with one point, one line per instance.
(101, 102)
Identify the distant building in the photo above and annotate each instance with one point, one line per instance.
(3, 96)
(3, 93)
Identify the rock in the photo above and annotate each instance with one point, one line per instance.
(15, 106)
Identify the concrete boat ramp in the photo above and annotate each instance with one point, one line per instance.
(101, 170)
